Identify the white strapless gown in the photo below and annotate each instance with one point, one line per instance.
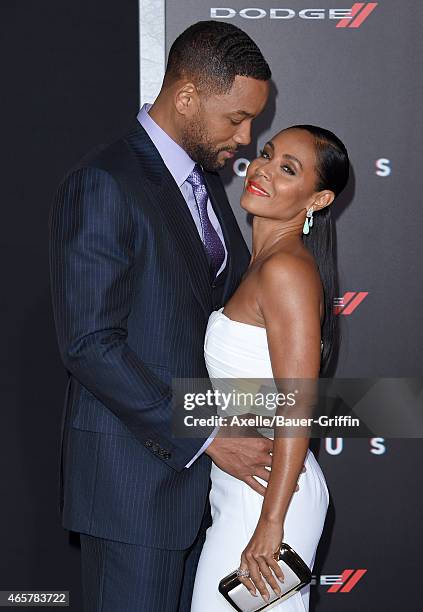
(239, 350)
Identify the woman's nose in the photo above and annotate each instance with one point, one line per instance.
(264, 171)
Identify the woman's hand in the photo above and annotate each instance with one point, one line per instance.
(259, 559)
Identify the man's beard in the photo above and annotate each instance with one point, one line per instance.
(196, 142)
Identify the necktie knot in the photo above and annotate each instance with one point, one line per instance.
(196, 180)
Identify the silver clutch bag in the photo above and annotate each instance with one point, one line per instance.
(296, 576)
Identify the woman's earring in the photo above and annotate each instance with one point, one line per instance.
(308, 222)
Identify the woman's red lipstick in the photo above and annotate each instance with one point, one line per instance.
(256, 189)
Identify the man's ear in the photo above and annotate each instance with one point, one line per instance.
(323, 199)
(186, 99)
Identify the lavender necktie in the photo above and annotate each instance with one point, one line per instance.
(211, 240)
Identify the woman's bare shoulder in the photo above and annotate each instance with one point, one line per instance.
(292, 269)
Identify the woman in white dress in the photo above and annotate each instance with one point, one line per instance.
(278, 324)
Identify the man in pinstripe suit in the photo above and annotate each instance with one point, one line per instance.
(144, 245)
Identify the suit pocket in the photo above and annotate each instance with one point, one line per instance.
(92, 415)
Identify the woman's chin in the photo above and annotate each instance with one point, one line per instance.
(246, 203)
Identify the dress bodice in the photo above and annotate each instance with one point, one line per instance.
(236, 350)
(238, 363)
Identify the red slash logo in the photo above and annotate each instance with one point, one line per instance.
(359, 13)
(348, 303)
(349, 579)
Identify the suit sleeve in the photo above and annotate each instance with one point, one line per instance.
(92, 253)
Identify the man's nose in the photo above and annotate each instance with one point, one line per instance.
(243, 134)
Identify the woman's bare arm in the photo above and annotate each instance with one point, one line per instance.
(289, 301)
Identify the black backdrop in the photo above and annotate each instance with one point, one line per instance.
(69, 82)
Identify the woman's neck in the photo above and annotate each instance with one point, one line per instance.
(267, 233)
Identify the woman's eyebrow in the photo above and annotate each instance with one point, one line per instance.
(291, 157)
(270, 144)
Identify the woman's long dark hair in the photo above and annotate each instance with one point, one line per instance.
(333, 171)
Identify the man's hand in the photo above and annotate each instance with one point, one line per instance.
(243, 458)
(245, 454)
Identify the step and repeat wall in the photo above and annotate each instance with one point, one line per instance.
(354, 68)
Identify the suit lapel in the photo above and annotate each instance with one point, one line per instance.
(173, 209)
(182, 227)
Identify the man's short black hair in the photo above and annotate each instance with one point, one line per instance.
(213, 53)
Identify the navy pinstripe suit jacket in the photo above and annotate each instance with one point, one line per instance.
(131, 297)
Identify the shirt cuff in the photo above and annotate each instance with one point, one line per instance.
(205, 446)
